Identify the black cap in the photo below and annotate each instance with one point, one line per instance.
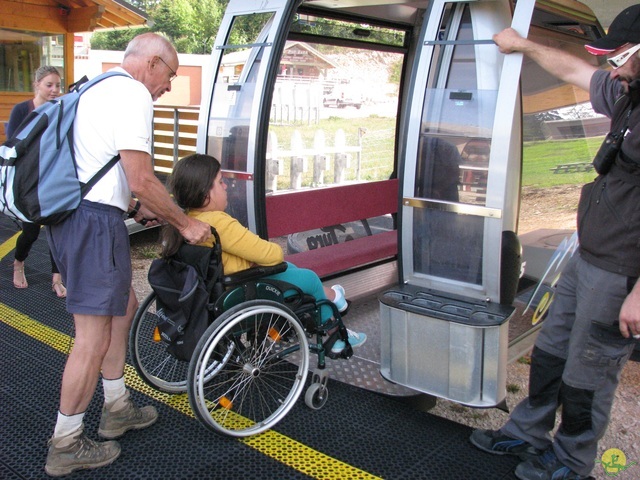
(625, 28)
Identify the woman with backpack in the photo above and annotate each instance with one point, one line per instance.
(46, 87)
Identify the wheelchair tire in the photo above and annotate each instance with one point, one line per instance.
(248, 369)
(157, 367)
(316, 396)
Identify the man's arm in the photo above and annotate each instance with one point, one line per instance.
(558, 63)
(154, 196)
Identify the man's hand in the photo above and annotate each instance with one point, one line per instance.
(507, 40)
(563, 65)
(147, 218)
(630, 314)
(196, 231)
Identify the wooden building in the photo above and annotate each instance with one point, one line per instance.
(41, 32)
(299, 61)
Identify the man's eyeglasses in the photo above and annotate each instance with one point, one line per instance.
(620, 59)
(173, 73)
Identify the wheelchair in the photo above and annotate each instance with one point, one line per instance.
(251, 364)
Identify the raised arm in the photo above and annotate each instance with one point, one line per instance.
(558, 63)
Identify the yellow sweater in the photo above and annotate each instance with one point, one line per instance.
(241, 248)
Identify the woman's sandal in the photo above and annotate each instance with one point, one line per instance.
(60, 289)
(22, 280)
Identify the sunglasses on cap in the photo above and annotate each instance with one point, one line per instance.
(620, 59)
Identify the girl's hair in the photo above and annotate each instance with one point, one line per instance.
(45, 70)
(189, 183)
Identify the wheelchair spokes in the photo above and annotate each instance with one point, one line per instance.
(157, 367)
(257, 384)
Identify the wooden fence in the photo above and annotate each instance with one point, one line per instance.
(175, 131)
(321, 156)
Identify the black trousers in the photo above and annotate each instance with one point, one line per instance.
(29, 235)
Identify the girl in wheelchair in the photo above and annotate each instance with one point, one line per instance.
(198, 187)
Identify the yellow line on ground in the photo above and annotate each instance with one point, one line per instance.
(275, 445)
(8, 246)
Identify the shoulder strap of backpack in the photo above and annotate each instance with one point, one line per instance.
(82, 85)
(84, 189)
(76, 85)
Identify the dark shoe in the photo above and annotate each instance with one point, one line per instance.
(546, 467)
(77, 452)
(122, 415)
(492, 441)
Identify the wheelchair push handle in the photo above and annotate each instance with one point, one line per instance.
(217, 246)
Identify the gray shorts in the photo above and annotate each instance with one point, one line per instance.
(91, 249)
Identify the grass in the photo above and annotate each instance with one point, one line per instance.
(150, 251)
(541, 157)
(376, 135)
(513, 388)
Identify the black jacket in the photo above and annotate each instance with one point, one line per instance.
(609, 208)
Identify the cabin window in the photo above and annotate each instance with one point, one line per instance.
(233, 96)
(335, 105)
(22, 52)
(561, 132)
(333, 119)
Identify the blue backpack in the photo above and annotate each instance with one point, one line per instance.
(38, 173)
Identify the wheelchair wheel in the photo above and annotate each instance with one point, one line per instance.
(317, 393)
(248, 369)
(157, 367)
(316, 396)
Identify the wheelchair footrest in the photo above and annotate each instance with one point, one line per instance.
(346, 352)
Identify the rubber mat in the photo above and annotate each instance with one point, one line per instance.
(357, 434)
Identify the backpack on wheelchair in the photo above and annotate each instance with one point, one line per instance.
(238, 344)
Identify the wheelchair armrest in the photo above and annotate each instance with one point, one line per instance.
(253, 273)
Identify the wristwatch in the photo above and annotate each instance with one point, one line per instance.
(132, 213)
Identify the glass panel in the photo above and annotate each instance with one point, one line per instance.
(333, 120)
(449, 246)
(333, 116)
(328, 27)
(561, 135)
(453, 152)
(457, 122)
(237, 198)
(22, 52)
(233, 95)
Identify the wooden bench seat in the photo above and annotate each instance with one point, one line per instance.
(572, 167)
(316, 208)
(348, 255)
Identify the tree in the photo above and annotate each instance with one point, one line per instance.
(191, 25)
(114, 40)
(144, 5)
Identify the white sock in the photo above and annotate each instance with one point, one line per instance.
(67, 424)
(113, 389)
(338, 296)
